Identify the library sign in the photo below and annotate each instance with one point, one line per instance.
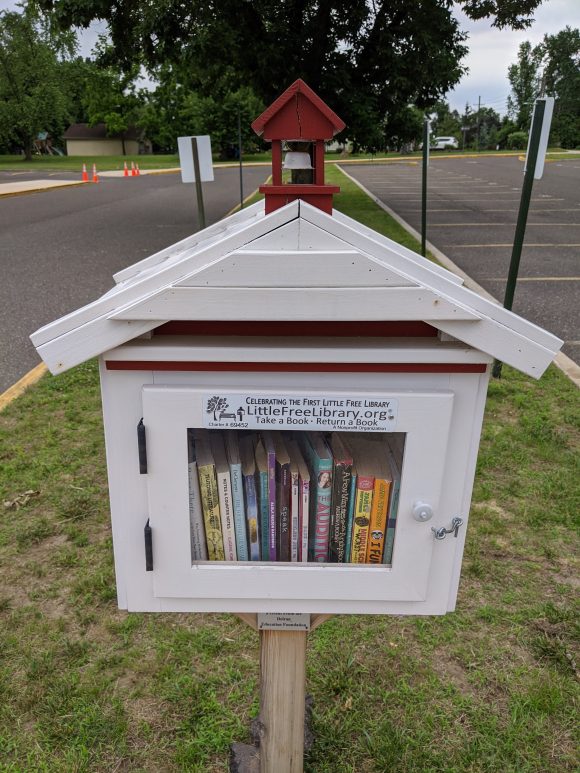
(311, 412)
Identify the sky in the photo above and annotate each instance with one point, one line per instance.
(491, 51)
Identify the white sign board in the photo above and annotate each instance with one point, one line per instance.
(186, 158)
(311, 412)
(544, 136)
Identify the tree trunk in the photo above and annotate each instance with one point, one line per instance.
(27, 150)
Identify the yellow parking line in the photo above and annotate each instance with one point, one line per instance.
(478, 225)
(22, 385)
(510, 244)
(536, 279)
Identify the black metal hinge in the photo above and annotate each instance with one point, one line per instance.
(148, 547)
(142, 445)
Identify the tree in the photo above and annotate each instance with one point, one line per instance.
(176, 109)
(561, 58)
(553, 68)
(444, 121)
(112, 98)
(32, 93)
(524, 80)
(368, 59)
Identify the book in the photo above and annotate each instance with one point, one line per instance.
(233, 456)
(294, 511)
(319, 459)
(209, 496)
(251, 497)
(283, 495)
(224, 486)
(299, 465)
(365, 482)
(268, 441)
(196, 529)
(263, 500)
(341, 477)
(381, 498)
(395, 456)
(350, 515)
(361, 518)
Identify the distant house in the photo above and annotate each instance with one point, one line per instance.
(84, 140)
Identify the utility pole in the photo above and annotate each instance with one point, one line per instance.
(478, 119)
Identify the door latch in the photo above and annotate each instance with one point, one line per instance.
(442, 532)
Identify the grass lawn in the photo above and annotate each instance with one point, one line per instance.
(490, 688)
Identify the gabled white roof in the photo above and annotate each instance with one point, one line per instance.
(296, 263)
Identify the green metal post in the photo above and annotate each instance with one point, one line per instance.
(198, 188)
(527, 186)
(240, 157)
(424, 187)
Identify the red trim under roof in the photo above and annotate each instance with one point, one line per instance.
(299, 367)
(416, 329)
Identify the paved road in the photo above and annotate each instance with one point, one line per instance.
(59, 249)
(472, 211)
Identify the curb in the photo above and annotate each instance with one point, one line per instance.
(43, 189)
(564, 363)
(22, 385)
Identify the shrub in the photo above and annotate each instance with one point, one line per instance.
(517, 141)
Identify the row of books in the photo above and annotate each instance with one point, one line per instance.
(293, 497)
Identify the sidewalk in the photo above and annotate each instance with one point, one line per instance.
(32, 186)
(35, 186)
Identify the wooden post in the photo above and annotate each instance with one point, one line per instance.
(282, 693)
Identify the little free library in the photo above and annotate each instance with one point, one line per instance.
(292, 407)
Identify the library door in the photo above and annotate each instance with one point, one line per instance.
(413, 425)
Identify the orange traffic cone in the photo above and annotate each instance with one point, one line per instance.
(95, 175)
(85, 174)
(125, 170)
(133, 172)
(137, 169)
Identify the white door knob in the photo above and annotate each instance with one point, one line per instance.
(422, 511)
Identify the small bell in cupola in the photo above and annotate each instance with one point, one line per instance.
(298, 123)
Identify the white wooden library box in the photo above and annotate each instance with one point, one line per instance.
(296, 321)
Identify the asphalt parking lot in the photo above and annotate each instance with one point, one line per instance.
(472, 211)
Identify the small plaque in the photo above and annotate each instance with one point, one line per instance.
(283, 621)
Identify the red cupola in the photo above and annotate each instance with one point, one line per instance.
(302, 122)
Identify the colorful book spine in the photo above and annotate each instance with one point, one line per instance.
(235, 463)
(303, 504)
(362, 513)
(393, 506)
(294, 513)
(350, 515)
(271, 465)
(283, 498)
(239, 511)
(320, 461)
(224, 485)
(198, 544)
(211, 512)
(304, 515)
(251, 496)
(378, 521)
(263, 498)
(341, 477)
